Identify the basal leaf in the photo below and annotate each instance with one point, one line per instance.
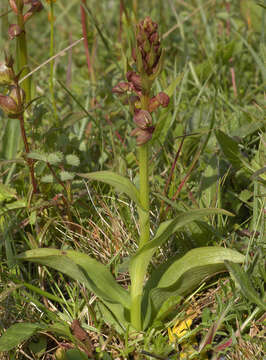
(204, 258)
(243, 282)
(165, 230)
(81, 267)
(184, 274)
(120, 183)
(16, 334)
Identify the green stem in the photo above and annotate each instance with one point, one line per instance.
(144, 190)
(139, 272)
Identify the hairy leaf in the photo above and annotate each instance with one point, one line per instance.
(73, 160)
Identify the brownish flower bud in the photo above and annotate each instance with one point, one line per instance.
(154, 39)
(36, 6)
(148, 25)
(143, 136)
(143, 119)
(135, 79)
(6, 74)
(121, 88)
(147, 52)
(9, 106)
(163, 99)
(14, 31)
(153, 104)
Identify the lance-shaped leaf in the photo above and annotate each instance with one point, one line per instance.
(165, 230)
(18, 333)
(120, 183)
(81, 267)
(244, 284)
(183, 275)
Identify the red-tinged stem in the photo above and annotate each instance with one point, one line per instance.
(85, 35)
(233, 81)
(27, 149)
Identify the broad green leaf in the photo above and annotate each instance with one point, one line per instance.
(199, 263)
(230, 148)
(18, 333)
(120, 183)
(244, 284)
(81, 267)
(165, 230)
(140, 261)
(183, 275)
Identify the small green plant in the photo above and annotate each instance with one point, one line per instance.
(145, 303)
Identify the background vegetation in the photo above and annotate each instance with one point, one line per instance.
(208, 150)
